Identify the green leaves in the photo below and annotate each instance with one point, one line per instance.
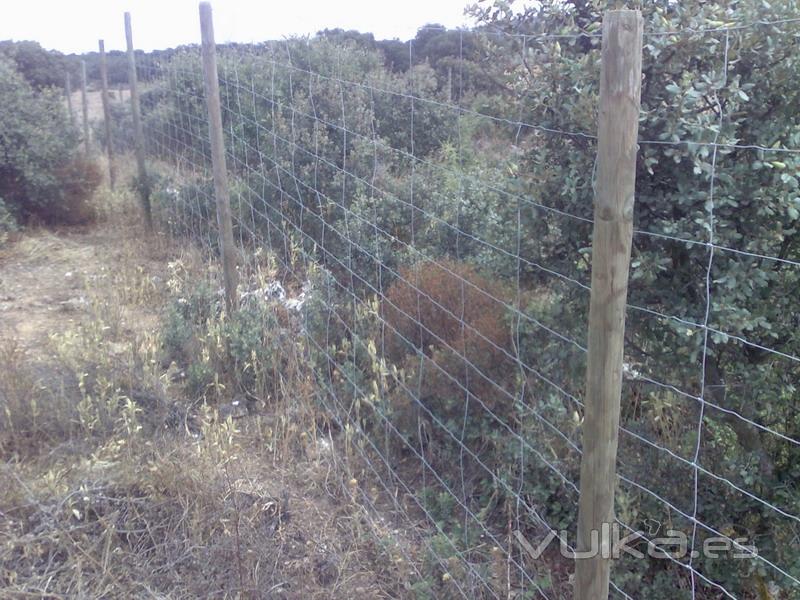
(36, 143)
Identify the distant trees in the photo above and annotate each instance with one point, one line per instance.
(39, 67)
(43, 68)
(116, 61)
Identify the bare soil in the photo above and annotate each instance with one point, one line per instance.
(43, 279)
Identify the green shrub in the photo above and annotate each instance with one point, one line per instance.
(39, 174)
(8, 222)
(234, 354)
(41, 68)
(199, 377)
(185, 318)
(187, 208)
(122, 134)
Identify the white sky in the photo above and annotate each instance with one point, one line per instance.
(76, 25)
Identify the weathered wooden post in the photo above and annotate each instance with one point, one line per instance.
(68, 90)
(449, 84)
(218, 154)
(107, 114)
(85, 107)
(138, 132)
(618, 126)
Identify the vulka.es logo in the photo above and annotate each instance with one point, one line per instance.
(611, 544)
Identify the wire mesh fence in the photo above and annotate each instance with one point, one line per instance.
(429, 207)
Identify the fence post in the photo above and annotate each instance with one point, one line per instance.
(107, 113)
(218, 154)
(618, 126)
(85, 107)
(144, 184)
(68, 89)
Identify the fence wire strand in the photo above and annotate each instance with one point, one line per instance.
(445, 324)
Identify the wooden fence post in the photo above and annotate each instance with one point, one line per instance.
(68, 90)
(618, 126)
(85, 107)
(107, 114)
(144, 184)
(226, 245)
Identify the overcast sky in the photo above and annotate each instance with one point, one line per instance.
(75, 26)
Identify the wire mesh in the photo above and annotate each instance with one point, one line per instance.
(440, 234)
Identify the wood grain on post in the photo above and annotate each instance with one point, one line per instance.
(107, 114)
(85, 107)
(138, 132)
(68, 86)
(618, 126)
(218, 154)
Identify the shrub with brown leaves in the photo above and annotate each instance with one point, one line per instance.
(80, 178)
(455, 318)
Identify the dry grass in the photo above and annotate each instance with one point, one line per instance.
(117, 485)
(175, 519)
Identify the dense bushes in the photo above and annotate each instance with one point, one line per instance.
(39, 67)
(40, 174)
(322, 167)
(746, 199)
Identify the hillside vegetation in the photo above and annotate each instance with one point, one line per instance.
(466, 168)
(413, 227)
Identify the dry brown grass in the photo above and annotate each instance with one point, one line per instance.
(117, 486)
(181, 520)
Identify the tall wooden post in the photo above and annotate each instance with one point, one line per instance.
(218, 154)
(107, 114)
(85, 107)
(144, 184)
(618, 126)
(68, 90)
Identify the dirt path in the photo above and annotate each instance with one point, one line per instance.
(44, 279)
(299, 532)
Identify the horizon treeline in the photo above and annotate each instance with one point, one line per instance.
(42, 67)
